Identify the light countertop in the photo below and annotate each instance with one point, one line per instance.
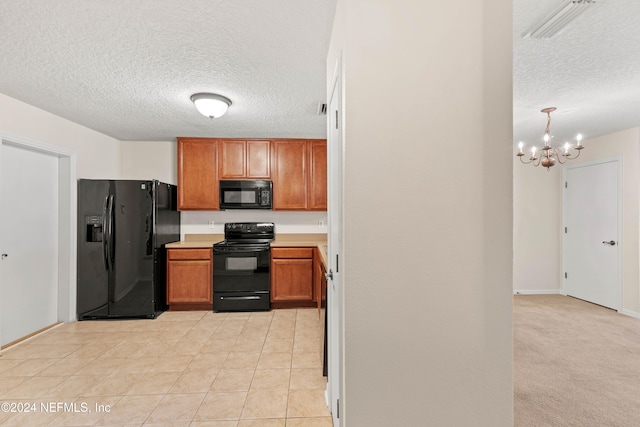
(314, 240)
(196, 241)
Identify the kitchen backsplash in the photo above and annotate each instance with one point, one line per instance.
(212, 222)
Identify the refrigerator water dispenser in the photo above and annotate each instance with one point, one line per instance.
(94, 228)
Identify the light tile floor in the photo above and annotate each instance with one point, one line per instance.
(189, 368)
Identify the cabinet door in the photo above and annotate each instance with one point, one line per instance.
(290, 175)
(317, 176)
(241, 159)
(189, 281)
(232, 159)
(292, 280)
(197, 174)
(258, 159)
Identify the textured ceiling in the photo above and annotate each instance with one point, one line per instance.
(590, 71)
(127, 68)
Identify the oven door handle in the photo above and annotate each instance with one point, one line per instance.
(253, 297)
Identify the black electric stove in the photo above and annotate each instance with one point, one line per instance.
(241, 277)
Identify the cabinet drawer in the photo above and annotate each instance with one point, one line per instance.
(189, 254)
(292, 253)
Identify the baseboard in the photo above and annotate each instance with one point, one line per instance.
(630, 313)
(537, 292)
(29, 336)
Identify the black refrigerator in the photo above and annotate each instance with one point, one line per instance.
(123, 226)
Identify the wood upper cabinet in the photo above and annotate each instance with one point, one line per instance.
(198, 174)
(317, 196)
(297, 167)
(244, 159)
(189, 277)
(290, 175)
(299, 174)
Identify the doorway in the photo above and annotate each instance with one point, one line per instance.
(592, 232)
(38, 182)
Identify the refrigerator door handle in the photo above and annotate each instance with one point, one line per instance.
(107, 241)
(112, 246)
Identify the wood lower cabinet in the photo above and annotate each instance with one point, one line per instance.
(292, 277)
(190, 279)
(198, 186)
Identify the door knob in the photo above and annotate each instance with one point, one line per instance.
(328, 275)
(610, 243)
(4, 256)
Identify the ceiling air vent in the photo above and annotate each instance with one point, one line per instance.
(557, 20)
(322, 109)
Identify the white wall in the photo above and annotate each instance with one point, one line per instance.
(197, 222)
(98, 155)
(427, 133)
(538, 224)
(149, 160)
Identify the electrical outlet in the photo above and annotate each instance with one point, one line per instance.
(211, 224)
(321, 223)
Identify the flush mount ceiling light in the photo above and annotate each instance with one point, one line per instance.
(555, 22)
(210, 104)
(550, 155)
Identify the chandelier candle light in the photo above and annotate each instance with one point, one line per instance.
(550, 155)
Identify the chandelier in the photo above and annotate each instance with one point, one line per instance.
(549, 155)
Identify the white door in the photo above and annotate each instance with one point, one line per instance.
(592, 246)
(28, 242)
(334, 284)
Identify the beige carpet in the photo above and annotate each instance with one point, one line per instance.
(575, 363)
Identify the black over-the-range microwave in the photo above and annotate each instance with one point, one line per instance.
(245, 194)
